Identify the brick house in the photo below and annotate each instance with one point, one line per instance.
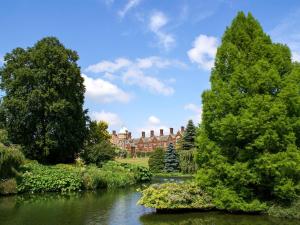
(145, 144)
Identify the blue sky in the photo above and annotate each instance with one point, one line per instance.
(145, 62)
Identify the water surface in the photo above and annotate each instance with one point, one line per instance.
(109, 208)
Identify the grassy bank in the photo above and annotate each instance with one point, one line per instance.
(34, 177)
(134, 161)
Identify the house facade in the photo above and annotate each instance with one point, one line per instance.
(145, 143)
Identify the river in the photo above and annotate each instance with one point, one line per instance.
(116, 207)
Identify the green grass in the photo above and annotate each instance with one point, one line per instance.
(135, 161)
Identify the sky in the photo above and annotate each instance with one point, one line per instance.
(145, 63)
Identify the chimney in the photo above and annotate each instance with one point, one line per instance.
(143, 134)
(129, 135)
(161, 132)
(152, 133)
(171, 131)
(114, 133)
(182, 128)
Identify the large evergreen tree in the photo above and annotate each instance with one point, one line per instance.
(249, 139)
(188, 139)
(171, 159)
(43, 101)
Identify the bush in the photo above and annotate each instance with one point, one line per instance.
(98, 153)
(156, 161)
(172, 196)
(11, 158)
(291, 211)
(8, 186)
(187, 161)
(141, 173)
(40, 178)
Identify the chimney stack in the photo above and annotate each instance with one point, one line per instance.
(152, 133)
(129, 135)
(182, 128)
(143, 134)
(114, 133)
(171, 131)
(161, 132)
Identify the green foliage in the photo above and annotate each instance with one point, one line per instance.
(59, 178)
(11, 158)
(98, 153)
(44, 94)
(111, 175)
(188, 139)
(141, 173)
(156, 160)
(187, 161)
(172, 196)
(291, 211)
(171, 159)
(97, 133)
(249, 136)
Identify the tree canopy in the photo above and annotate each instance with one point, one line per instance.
(249, 137)
(43, 102)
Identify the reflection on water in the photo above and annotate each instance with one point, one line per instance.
(212, 218)
(109, 207)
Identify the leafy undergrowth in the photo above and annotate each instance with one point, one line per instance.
(291, 212)
(66, 178)
(174, 196)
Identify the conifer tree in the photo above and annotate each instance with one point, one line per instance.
(171, 159)
(189, 134)
(249, 138)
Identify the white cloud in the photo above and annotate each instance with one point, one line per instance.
(295, 56)
(158, 20)
(153, 120)
(111, 118)
(137, 77)
(104, 91)
(152, 123)
(133, 72)
(196, 110)
(129, 5)
(204, 51)
(287, 32)
(108, 66)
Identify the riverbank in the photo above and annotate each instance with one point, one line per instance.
(180, 197)
(34, 177)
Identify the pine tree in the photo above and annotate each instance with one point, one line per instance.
(189, 134)
(171, 159)
(249, 138)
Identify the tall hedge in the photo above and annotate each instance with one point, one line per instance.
(249, 138)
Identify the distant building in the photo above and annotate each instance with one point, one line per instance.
(145, 144)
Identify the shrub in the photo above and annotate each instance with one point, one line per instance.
(111, 175)
(98, 153)
(290, 211)
(187, 161)
(11, 158)
(156, 160)
(175, 196)
(141, 173)
(40, 178)
(8, 186)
